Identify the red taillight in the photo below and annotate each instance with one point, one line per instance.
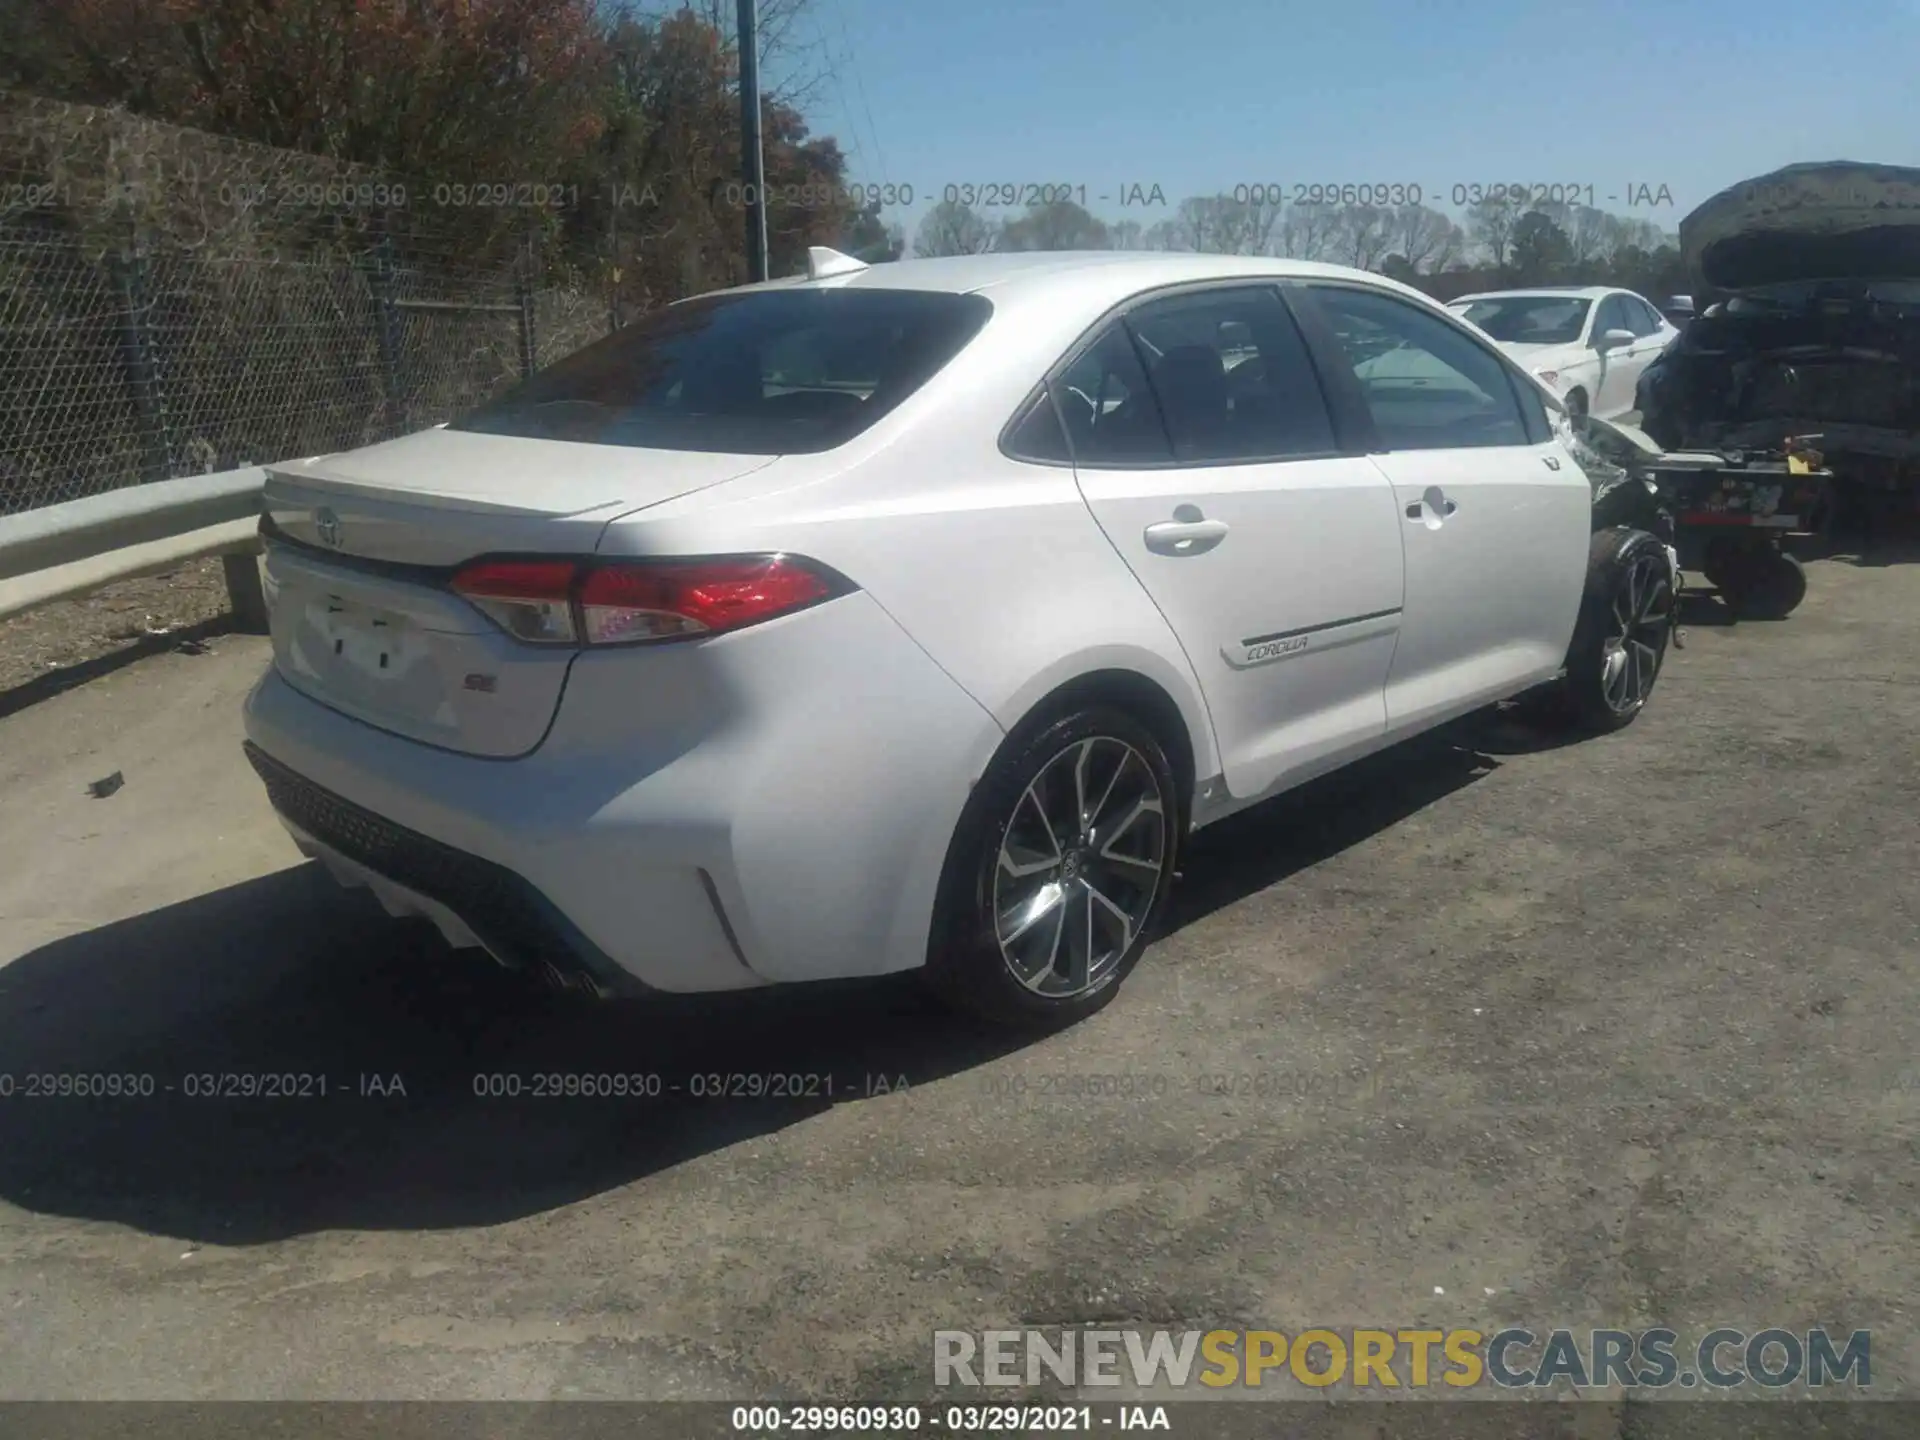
(652, 600)
(620, 602)
(531, 600)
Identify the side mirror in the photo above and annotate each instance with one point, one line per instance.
(1614, 340)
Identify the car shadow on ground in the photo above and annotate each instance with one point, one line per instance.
(1260, 847)
(1897, 550)
(1703, 605)
(1886, 534)
(19, 697)
(395, 1050)
(413, 1094)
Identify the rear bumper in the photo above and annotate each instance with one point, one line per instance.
(471, 901)
(767, 806)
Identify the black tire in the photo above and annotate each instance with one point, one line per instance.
(1720, 564)
(1770, 586)
(967, 965)
(1628, 609)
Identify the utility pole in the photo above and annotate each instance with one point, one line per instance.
(752, 164)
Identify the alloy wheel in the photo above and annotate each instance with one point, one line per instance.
(1080, 864)
(1637, 643)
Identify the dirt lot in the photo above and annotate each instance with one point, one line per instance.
(1491, 1032)
(63, 644)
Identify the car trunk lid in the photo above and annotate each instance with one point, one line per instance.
(443, 496)
(363, 546)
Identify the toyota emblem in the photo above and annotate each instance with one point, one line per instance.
(326, 525)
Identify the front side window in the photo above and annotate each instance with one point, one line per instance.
(1232, 377)
(1111, 415)
(1427, 385)
(1612, 316)
(770, 372)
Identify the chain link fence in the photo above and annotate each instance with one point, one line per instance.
(172, 303)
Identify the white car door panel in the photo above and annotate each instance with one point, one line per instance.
(1494, 516)
(1617, 371)
(1276, 563)
(1654, 335)
(1496, 543)
(1288, 617)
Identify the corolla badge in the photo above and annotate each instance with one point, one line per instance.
(1249, 653)
(326, 525)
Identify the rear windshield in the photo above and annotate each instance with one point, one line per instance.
(771, 372)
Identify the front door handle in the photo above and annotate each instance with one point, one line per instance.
(1432, 507)
(1185, 537)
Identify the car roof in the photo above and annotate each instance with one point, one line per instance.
(1545, 292)
(1108, 277)
(1027, 275)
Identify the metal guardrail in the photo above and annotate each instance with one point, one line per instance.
(60, 551)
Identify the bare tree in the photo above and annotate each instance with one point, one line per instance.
(951, 228)
(1221, 225)
(1586, 230)
(1540, 252)
(1164, 235)
(1364, 235)
(1426, 239)
(795, 58)
(1059, 225)
(1646, 234)
(1127, 235)
(1309, 232)
(1490, 222)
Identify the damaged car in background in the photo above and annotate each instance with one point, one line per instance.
(1813, 336)
(1726, 514)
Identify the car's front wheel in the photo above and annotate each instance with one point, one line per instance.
(1058, 871)
(1626, 623)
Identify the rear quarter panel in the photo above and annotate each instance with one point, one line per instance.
(994, 566)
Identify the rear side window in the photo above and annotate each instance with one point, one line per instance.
(1613, 316)
(766, 373)
(1645, 319)
(1427, 385)
(1038, 435)
(1109, 409)
(1232, 377)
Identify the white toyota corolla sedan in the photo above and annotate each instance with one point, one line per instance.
(912, 616)
(1588, 345)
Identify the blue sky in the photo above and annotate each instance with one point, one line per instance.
(1200, 95)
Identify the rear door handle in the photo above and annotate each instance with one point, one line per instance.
(1418, 510)
(1184, 537)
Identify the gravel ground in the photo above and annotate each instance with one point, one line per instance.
(1489, 1031)
(68, 640)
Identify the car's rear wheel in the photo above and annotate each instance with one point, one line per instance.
(1058, 871)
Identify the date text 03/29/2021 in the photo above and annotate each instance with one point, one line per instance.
(877, 1420)
(1141, 194)
(984, 194)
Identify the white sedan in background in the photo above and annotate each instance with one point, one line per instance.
(1589, 345)
(910, 617)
